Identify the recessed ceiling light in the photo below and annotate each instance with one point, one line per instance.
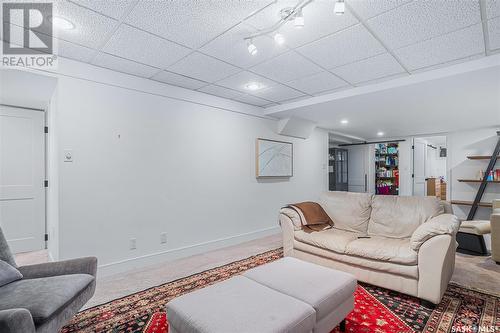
(344, 121)
(252, 49)
(298, 22)
(339, 8)
(253, 86)
(62, 23)
(380, 133)
(279, 38)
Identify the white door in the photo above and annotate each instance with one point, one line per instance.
(358, 169)
(22, 172)
(419, 157)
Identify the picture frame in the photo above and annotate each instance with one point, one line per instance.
(273, 158)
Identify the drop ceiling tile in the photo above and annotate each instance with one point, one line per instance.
(232, 94)
(111, 8)
(178, 80)
(494, 33)
(134, 44)
(492, 8)
(344, 47)
(296, 99)
(317, 83)
(191, 22)
(278, 93)
(202, 67)
(231, 47)
(369, 69)
(240, 80)
(286, 67)
(90, 29)
(420, 20)
(73, 51)
(332, 91)
(456, 45)
(369, 8)
(124, 65)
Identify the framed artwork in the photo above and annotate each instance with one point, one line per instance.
(273, 158)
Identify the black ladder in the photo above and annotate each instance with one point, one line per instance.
(484, 182)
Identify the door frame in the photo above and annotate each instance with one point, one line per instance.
(45, 164)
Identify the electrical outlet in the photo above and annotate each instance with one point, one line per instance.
(163, 237)
(133, 243)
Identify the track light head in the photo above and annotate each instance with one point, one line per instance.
(279, 38)
(252, 49)
(298, 21)
(339, 8)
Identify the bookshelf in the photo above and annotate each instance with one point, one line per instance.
(387, 168)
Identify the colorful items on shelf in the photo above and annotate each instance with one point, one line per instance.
(494, 175)
(386, 166)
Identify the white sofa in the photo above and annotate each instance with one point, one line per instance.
(410, 249)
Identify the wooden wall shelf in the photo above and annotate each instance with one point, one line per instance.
(469, 203)
(477, 181)
(480, 157)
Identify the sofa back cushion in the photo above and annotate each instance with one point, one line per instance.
(399, 216)
(348, 210)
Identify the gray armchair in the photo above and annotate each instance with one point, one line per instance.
(47, 296)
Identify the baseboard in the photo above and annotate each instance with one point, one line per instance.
(172, 254)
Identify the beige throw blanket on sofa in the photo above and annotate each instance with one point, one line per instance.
(315, 217)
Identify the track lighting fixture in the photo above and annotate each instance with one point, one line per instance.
(279, 38)
(298, 22)
(252, 49)
(286, 15)
(339, 8)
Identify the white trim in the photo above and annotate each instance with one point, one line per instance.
(185, 251)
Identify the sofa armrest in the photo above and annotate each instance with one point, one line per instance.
(87, 265)
(295, 216)
(444, 224)
(495, 234)
(436, 262)
(16, 321)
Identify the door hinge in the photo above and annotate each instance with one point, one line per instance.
(46, 183)
(412, 147)
(46, 237)
(412, 175)
(46, 129)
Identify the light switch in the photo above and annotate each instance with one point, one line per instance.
(68, 155)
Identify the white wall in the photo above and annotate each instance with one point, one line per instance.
(463, 143)
(146, 164)
(460, 145)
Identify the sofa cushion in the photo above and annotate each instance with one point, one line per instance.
(43, 297)
(444, 224)
(8, 273)
(5, 253)
(399, 216)
(323, 288)
(331, 239)
(348, 210)
(239, 304)
(340, 260)
(383, 249)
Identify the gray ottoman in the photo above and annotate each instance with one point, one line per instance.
(239, 305)
(329, 292)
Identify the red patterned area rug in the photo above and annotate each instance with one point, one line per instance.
(376, 309)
